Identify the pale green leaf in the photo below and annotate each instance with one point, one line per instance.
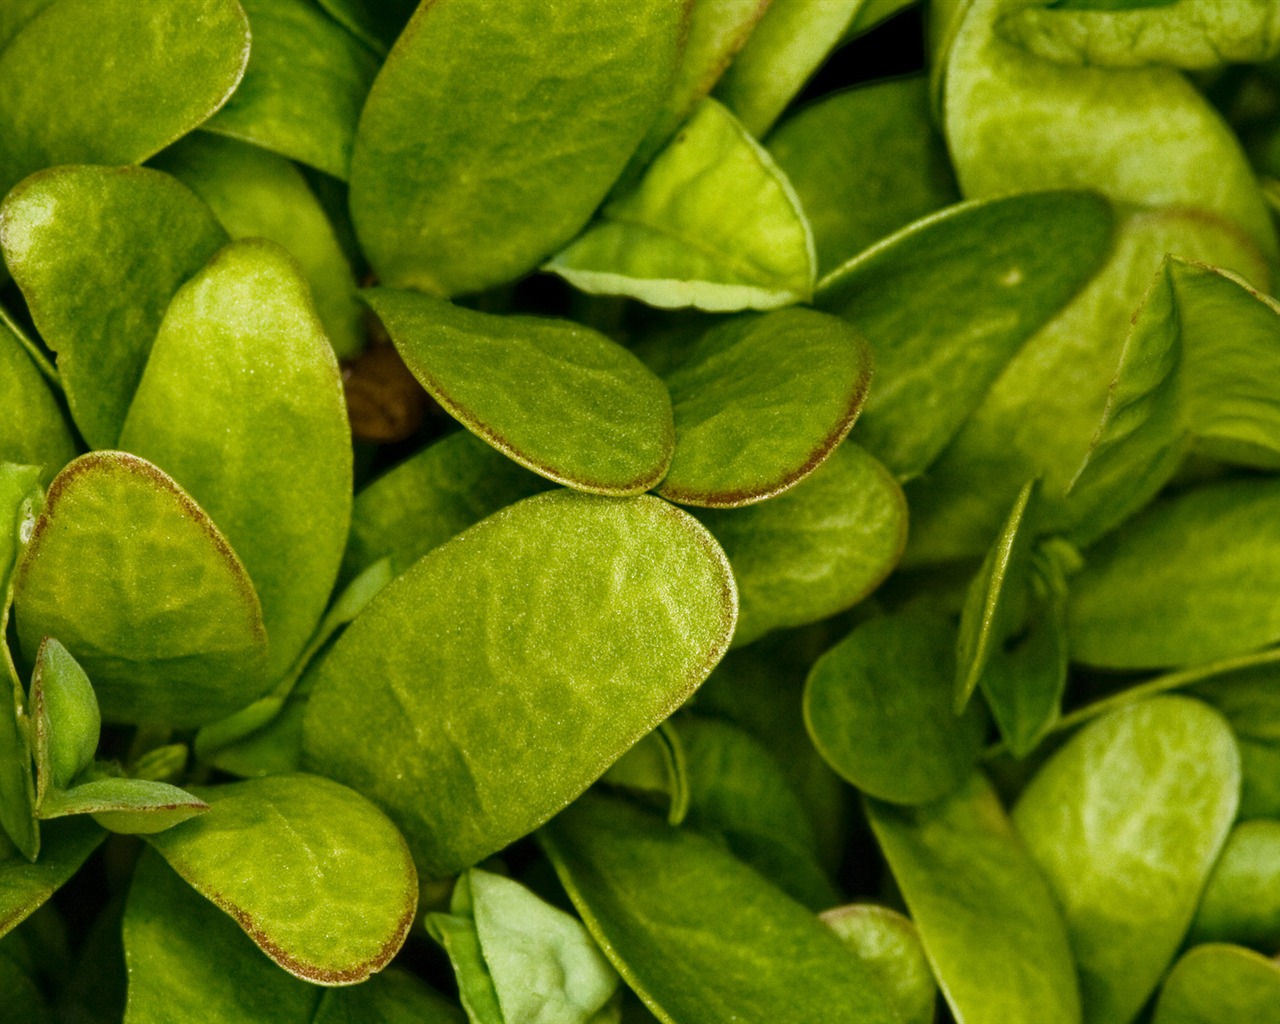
(889, 945)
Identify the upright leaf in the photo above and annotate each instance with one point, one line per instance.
(132, 576)
(689, 926)
(567, 624)
(713, 224)
(241, 401)
(98, 253)
(1126, 821)
(66, 717)
(35, 432)
(70, 71)
(462, 181)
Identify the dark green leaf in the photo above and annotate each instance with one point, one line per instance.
(375, 22)
(889, 945)
(1220, 984)
(1241, 902)
(610, 613)
(25, 886)
(140, 586)
(559, 398)
(392, 997)
(462, 181)
(697, 934)
(759, 403)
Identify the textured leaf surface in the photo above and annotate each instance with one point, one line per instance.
(131, 575)
(879, 709)
(610, 613)
(462, 181)
(981, 908)
(241, 401)
(760, 402)
(559, 398)
(329, 892)
(98, 253)
(689, 927)
(1126, 821)
(713, 224)
(815, 550)
(889, 945)
(130, 806)
(170, 65)
(1220, 984)
(35, 432)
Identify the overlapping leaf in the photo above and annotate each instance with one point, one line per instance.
(1220, 984)
(24, 886)
(1241, 900)
(35, 433)
(889, 945)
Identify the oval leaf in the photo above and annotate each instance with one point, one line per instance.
(817, 549)
(889, 945)
(328, 891)
(713, 224)
(579, 624)
(1126, 821)
(759, 403)
(144, 591)
(170, 65)
(1220, 984)
(689, 927)
(98, 253)
(462, 181)
(241, 401)
(128, 806)
(65, 713)
(559, 398)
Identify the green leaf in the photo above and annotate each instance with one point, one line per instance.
(241, 401)
(581, 623)
(713, 224)
(535, 963)
(129, 806)
(188, 961)
(392, 997)
(759, 404)
(889, 945)
(815, 550)
(947, 302)
(65, 714)
(697, 934)
(462, 181)
(316, 875)
(303, 88)
(1191, 34)
(864, 162)
(1220, 984)
(790, 43)
(1247, 695)
(1240, 902)
(879, 709)
(25, 886)
(1198, 368)
(656, 766)
(428, 498)
(68, 75)
(980, 906)
(256, 194)
(24, 1003)
(1126, 821)
(1188, 580)
(98, 253)
(35, 432)
(376, 23)
(557, 397)
(131, 575)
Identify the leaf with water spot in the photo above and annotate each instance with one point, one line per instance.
(558, 397)
(713, 224)
(316, 875)
(131, 575)
(568, 623)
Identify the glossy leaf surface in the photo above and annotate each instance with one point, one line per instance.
(459, 181)
(759, 404)
(879, 709)
(981, 907)
(713, 224)
(329, 893)
(815, 550)
(257, 194)
(1220, 984)
(948, 301)
(129, 806)
(1126, 821)
(303, 87)
(131, 575)
(171, 65)
(98, 253)
(1241, 901)
(558, 397)
(623, 605)
(889, 945)
(66, 718)
(864, 162)
(266, 449)
(24, 886)
(688, 926)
